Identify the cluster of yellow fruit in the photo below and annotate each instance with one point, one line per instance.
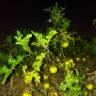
(79, 59)
(53, 69)
(47, 86)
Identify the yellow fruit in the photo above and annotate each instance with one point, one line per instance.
(77, 59)
(26, 94)
(71, 60)
(86, 93)
(84, 59)
(46, 85)
(54, 94)
(53, 69)
(67, 62)
(65, 44)
(45, 77)
(89, 86)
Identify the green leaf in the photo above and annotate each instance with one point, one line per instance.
(63, 86)
(37, 64)
(12, 61)
(29, 76)
(23, 41)
(43, 40)
(4, 69)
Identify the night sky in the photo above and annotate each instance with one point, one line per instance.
(29, 13)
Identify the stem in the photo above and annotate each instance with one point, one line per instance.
(57, 58)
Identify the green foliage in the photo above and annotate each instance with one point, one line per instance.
(29, 76)
(72, 82)
(7, 71)
(58, 40)
(3, 56)
(43, 40)
(61, 24)
(57, 16)
(38, 62)
(23, 41)
(4, 70)
(13, 62)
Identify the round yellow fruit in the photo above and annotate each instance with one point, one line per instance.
(26, 94)
(84, 59)
(65, 44)
(53, 69)
(46, 85)
(89, 86)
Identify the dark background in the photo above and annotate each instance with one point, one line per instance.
(29, 13)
